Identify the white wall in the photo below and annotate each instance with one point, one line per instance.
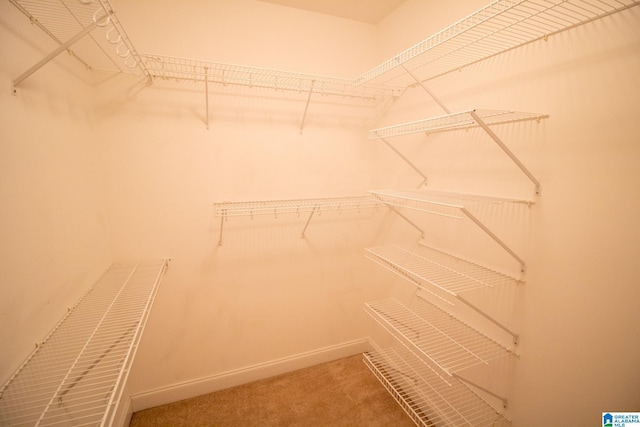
(578, 308)
(53, 228)
(265, 294)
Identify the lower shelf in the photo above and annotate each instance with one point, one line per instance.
(425, 397)
(76, 376)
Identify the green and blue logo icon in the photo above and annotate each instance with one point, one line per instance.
(607, 420)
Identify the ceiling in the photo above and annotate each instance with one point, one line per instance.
(369, 11)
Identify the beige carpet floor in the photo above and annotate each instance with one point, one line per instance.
(339, 393)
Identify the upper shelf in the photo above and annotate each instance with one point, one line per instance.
(496, 28)
(500, 26)
(103, 44)
(454, 121)
(172, 68)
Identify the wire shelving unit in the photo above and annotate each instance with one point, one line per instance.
(436, 335)
(423, 394)
(496, 28)
(77, 375)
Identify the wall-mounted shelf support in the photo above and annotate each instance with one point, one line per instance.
(306, 107)
(505, 402)
(504, 148)
(206, 94)
(223, 218)
(313, 211)
(476, 221)
(401, 215)
(407, 161)
(424, 87)
(64, 46)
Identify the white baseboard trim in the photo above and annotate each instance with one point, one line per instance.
(200, 386)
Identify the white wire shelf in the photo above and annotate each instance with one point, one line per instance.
(224, 210)
(436, 335)
(439, 202)
(496, 28)
(455, 121)
(450, 205)
(294, 206)
(104, 44)
(76, 376)
(423, 395)
(173, 68)
(449, 273)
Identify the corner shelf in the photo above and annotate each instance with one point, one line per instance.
(501, 26)
(436, 335)
(77, 375)
(424, 396)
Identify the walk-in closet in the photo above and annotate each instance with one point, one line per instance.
(199, 195)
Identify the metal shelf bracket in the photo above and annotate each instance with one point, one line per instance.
(64, 46)
(306, 107)
(407, 161)
(506, 149)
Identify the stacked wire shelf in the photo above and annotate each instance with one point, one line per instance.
(438, 337)
(77, 375)
(431, 267)
(435, 347)
(496, 28)
(454, 121)
(425, 396)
